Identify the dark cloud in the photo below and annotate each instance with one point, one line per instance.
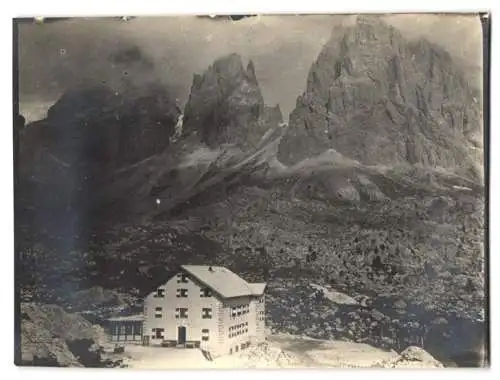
(131, 54)
(74, 52)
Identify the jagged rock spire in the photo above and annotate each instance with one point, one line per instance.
(371, 91)
(226, 105)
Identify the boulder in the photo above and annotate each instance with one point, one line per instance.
(400, 304)
(377, 315)
(415, 357)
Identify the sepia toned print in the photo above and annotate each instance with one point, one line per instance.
(299, 191)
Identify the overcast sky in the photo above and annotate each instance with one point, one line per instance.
(63, 54)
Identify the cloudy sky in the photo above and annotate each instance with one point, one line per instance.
(59, 55)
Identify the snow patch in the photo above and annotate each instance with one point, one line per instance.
(178, 128)
(334, 296)
(461, 188)
(329, 158)
(281, 351)
(200, 156)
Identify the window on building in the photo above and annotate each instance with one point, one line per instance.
(182, 293)
(129, 329)
(159, 293)
(181, 312)
(205, 292)
(206, 313)
(204, 335)
(158, 311)
(233, 312)
(157, 333)
(182, 278)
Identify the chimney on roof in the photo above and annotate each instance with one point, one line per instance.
(210, 269)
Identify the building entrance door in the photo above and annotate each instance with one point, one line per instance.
(181, 334)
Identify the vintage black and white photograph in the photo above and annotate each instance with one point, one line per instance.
(251, 191)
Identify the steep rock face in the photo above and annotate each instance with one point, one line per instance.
(101, 130)
(52, 337)
(226, 105)
(379, 99)
(67, 161)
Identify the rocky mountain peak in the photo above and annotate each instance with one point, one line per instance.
(101, 128)
(229, 67)
(369, 19)
(252, 77)
(226, 106)
(378, 98)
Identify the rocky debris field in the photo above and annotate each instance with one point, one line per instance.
(302, 309)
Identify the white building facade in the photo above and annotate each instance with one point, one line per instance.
(207, 307)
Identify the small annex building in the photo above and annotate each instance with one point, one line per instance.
(125, 329)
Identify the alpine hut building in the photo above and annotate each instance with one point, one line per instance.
(209, 307)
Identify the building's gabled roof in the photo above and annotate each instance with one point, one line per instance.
(257, 288)
(224, 282)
